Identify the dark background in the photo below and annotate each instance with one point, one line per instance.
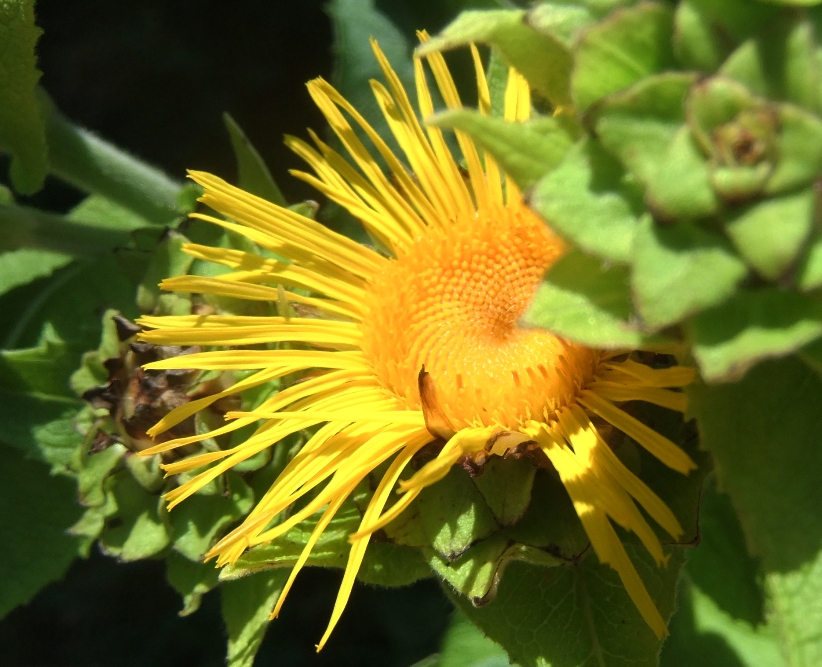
(154, 77)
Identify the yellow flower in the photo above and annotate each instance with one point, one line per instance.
(413, 345)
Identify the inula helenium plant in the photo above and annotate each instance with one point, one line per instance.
(550, 338)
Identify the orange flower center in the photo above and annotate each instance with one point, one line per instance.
(452, 303)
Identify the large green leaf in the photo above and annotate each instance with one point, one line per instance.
(559, 20)
(18, 267)
(706, 31)
(771, 234)
(799, 145)
(587, 302)
(620, 50)
(639, 124)
(541, 58)
(751, 326)
(576, 616)
(587, 200)
(780, 62)
(246, 605)
(22, 130)
(681, 269)
(763, 434)
(703, 634)
(644, 126)
(36, 510)
(720, 565)
(525, 151)
(465, 645)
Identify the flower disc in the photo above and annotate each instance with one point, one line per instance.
(451, 303)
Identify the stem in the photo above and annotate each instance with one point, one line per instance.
(93, 165)
(24, 227)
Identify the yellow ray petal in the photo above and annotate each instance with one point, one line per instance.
(284, 224)
(620, 392)
(374, 508)
(322, 524)
(658, 445)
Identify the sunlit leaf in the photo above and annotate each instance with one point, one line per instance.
(542, 59)
(620, 50)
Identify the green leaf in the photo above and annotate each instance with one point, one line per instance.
(560, 21)
(40, 426)
(465, 645)
(198, 521)
(681, 269)
(639, 124)
(253, 175)
(751, 326)
(620, 50)
(559, 531)
(574, 616)
(721, 566)
(354, 22)
(140, 530)
(525, 151)
(681, 493)
(37, 409)
(771, 234)
(190, 579)
(795, 598)
(101, 211)
(477, 572)
(246, 604)
(18, 267)
(454, 514)
(706, 31)
(703, 634)
(588, 202)
(762, 432)
(36, 510)
(587, 302)
(799, 145)
(21, 125)
(497, 75)
(505, 484)
(72, 301)
(780, 62)
(168, 261)
(27, 227)
(540, 58)
(644, 127)
(93, 474)
(682, 187)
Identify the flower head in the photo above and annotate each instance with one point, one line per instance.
(420, 343)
